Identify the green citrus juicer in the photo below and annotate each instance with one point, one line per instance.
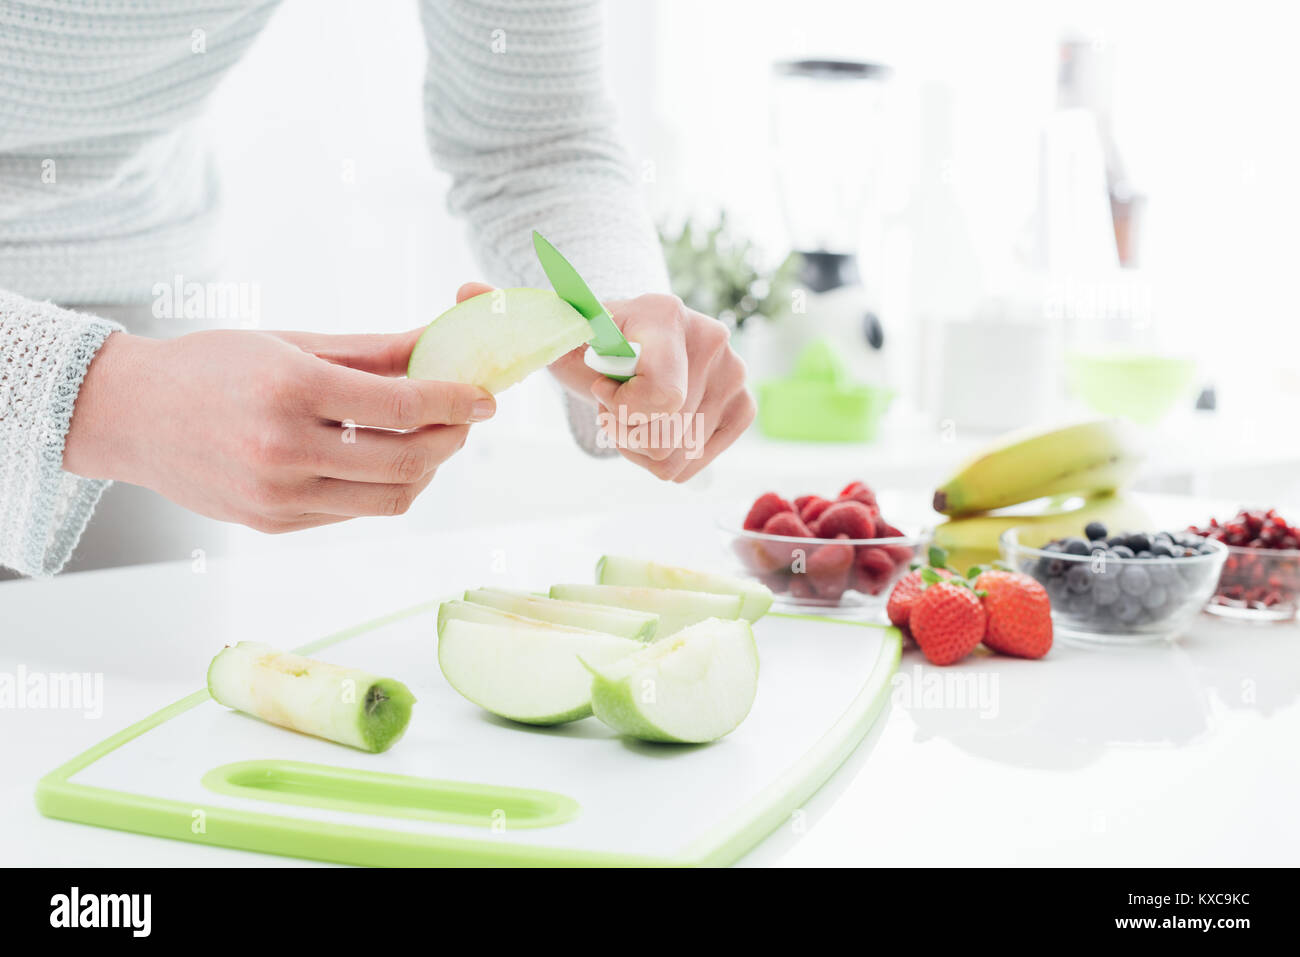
(609, 353)
(819, 403)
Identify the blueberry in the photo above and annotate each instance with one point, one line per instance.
(1122, 551)
(1134, 580)
(1116, 540)
(1144, 554)
(1094, 531)
(1049, 568)
(1205, 549)
(1154, 597)
(1077, 546)
(1162, 550)
(1127, 609)
(1162, 573)
(1139, 542)
(1105, 592)
(1079, 579)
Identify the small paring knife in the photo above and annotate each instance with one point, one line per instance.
(609, 353)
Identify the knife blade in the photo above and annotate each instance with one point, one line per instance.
(606, 340)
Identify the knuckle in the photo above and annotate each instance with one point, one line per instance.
(403, 405)
(409, 464)
(746, 411)
(398, 500)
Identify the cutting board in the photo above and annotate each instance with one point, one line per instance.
(464, 787)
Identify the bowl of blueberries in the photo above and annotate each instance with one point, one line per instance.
(1121, 588)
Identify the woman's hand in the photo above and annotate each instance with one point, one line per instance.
(687, 402)
(262, 428)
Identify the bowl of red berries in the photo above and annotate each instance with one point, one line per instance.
(829, 555)
(1261, 577)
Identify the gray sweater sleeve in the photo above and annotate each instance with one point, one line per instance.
(516, 112)
(44, 354)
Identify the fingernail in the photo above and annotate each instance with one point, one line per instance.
(482, 409)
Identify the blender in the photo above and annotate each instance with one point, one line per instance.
(827, 130)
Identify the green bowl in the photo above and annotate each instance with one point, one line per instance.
(1143, 387)
(812, 411)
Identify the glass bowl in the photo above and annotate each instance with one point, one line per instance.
(1258, 584)
(1098, 599)
(809, 575)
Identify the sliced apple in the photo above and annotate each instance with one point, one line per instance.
(676, 608)
(691, 687)
(624, 622)
(756, 598)
(527, 673)
(486, 615)
(498, 338)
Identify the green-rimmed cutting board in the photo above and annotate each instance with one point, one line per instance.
(466, 788)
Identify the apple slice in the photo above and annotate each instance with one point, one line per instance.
(676, 608)
(497, 338)
(340, 704)
(527, 673)
(691, 687)
(625, 623)
(756, 598)
(483, 614)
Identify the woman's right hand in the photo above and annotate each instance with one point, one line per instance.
(268, 429)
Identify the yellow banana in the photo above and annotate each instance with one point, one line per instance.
(1095, 456)
(974, 540)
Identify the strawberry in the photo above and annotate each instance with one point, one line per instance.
(906, 591)
(1019, 614)
(947, 621)
(846, 518)
(828, 569)
(812, 508)
(764, 507)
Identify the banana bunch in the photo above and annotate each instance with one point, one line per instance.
(1088, 460)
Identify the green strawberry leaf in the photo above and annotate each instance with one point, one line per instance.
(930, 576)
(938, 557)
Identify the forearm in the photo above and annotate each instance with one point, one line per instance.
(44, 355)
(516, 112)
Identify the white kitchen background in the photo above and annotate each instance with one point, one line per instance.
(334, 209)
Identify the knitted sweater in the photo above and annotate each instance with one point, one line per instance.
(106, 188)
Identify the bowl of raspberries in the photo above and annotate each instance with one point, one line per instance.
(1119, 587)
(1261, 577)
(832, 555)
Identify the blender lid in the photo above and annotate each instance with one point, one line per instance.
(832, 69)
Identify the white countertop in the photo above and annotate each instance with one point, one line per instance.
(1160, 755)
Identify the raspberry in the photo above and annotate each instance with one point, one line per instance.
(858, 492)
(812, 508)
(850, 518)
(764, 507)
(828, 570)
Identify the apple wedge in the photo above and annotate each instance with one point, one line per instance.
(691, 687)
(495, 339)
(457, 610)
(329, 701)
(756, 598)
(676, 608)
(625, 623)
(527, 673)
